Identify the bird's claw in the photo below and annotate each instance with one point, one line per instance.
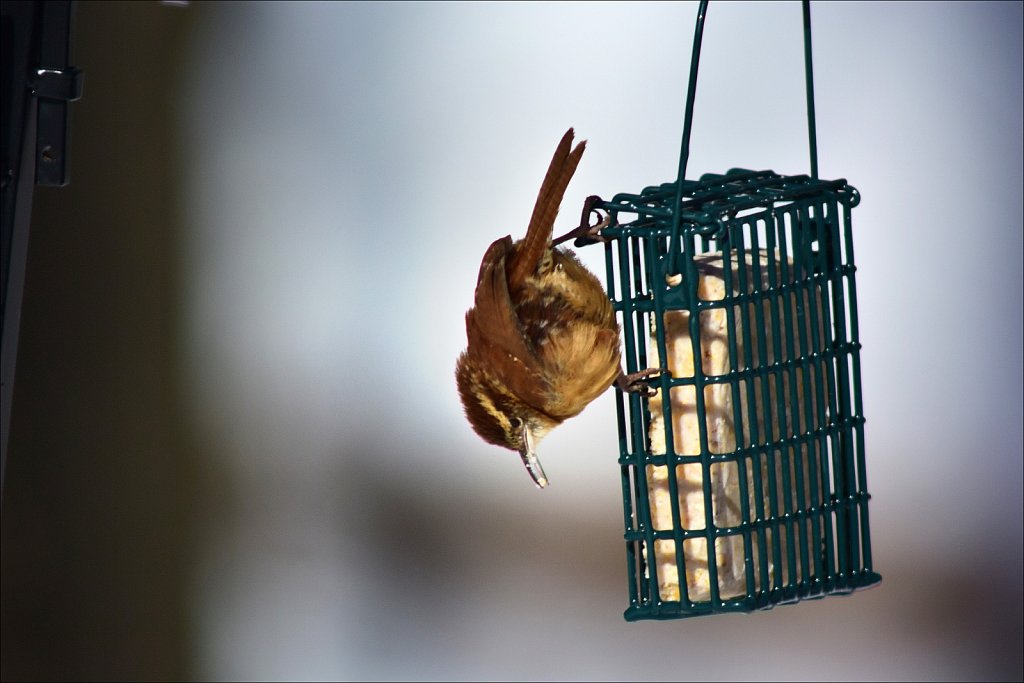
(593, 233)
(636, 382)
(587, 233)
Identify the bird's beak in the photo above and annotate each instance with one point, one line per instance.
(526, 452)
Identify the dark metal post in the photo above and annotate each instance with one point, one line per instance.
(37, 84)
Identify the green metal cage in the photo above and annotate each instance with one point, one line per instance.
(743, 479)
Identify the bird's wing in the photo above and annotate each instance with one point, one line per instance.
(495, 334)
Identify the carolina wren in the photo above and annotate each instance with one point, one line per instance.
(543, 341)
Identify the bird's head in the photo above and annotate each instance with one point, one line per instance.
(500, 418)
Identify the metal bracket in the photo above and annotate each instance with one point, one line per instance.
(54, 83)
(57, 85)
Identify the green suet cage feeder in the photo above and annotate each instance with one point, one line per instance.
(744, 488)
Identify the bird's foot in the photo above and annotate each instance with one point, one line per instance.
(636, 382)
(585, 233)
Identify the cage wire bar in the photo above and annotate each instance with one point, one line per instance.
(754, 493)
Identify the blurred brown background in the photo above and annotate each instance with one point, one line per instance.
(235, 447)
(96, 509)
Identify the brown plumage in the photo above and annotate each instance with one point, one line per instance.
(542, 337)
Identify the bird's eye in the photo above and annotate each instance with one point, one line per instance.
(516, 423)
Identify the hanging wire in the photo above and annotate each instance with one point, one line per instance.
(691, 93)
(812, 132)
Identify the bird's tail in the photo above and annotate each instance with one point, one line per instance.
(538, 235)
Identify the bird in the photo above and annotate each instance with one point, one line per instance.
(542, 336)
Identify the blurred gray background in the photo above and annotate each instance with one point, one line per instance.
(237, 450)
